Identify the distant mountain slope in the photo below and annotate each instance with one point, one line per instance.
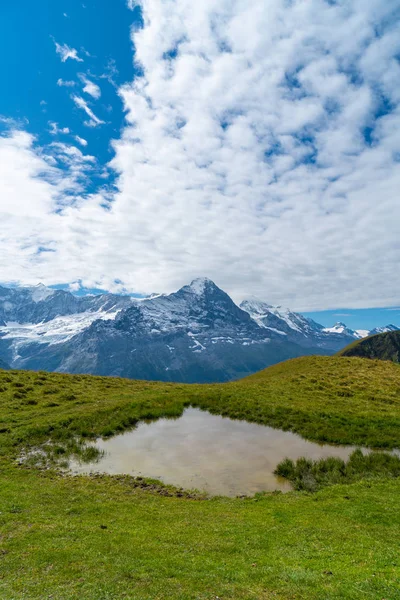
(296, 328)
(383, 346)
(3, 365)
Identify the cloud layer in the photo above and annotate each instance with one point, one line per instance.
(261, 149)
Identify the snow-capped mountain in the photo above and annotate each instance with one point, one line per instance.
(359, 333)
(383, 329)
(40, 304)
(296, 327)
(344, 330)
(195, 334)
(339, 328)
(278, 318)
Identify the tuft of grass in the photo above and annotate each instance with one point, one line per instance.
(312, 475)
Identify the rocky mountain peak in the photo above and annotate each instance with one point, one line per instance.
(254, 305)
(199, 305)
(341, 328)
(201, 286)
(40, 292)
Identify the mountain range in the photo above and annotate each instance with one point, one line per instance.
(197, 334)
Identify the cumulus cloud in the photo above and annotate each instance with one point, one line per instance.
(43, 199)
(66, 52)
(62, 83)
(82, 104)
(55, 129)
(81, 141)
(90, 88)
(261, 149)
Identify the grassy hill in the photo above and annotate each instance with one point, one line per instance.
(116, 537)
(383, 346)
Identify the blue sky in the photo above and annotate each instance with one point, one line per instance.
(145, 143)
(100, 32)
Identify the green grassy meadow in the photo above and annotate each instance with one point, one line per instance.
(106, 537)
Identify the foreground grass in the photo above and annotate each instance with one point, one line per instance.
(101, 539)
(107, 538)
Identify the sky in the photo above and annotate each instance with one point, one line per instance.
(363, 319)
(146, 143)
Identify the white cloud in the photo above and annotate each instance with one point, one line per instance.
(261, 149)
(90, 88)
(66, 52)
(81, 141)
(55, 130)
(81, 103)
(62, 83)
(42, 196)
(33, 187)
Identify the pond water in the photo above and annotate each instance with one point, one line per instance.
(207, 452)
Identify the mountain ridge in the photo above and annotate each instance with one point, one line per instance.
(196, 334)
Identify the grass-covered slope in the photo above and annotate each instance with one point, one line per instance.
(108, 538)
(383, 346)
(340, 400)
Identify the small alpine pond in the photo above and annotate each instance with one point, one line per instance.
(208, 452)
